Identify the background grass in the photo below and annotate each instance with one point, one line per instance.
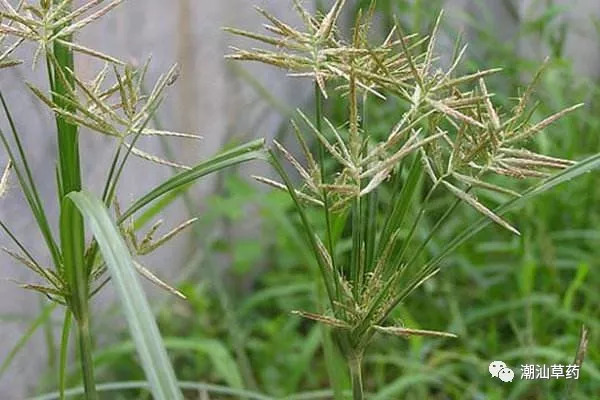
(518, 299)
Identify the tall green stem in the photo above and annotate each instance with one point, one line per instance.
(73, 243)
(61, 66)
(67, 133)
(87, 364)
(355, 365)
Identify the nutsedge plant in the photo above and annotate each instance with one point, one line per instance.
(113, 104)
(448, 131)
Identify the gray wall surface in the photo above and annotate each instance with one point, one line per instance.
(209, 99)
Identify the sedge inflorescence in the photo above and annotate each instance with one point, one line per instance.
(448, 129)
(114, 103)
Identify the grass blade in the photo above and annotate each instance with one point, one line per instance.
(246, 152)
(582, 167)
(64, 350)
(151, 349)
(197, 386)
(39, 321)
(310, 232)
(221, 360)
(25, 178)
(400, 204)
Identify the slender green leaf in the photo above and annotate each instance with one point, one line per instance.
(141, 322)
(310, 232)
(28, 185)
(401, 201)
(137, 385)
(64, 350)
(582, 167)
(222, 361)
(39, 321)
(302, 365)
(246, 152)
(225, 365)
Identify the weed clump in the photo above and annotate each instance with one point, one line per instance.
(448, 130)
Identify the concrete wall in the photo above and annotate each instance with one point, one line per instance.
(208, 98)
